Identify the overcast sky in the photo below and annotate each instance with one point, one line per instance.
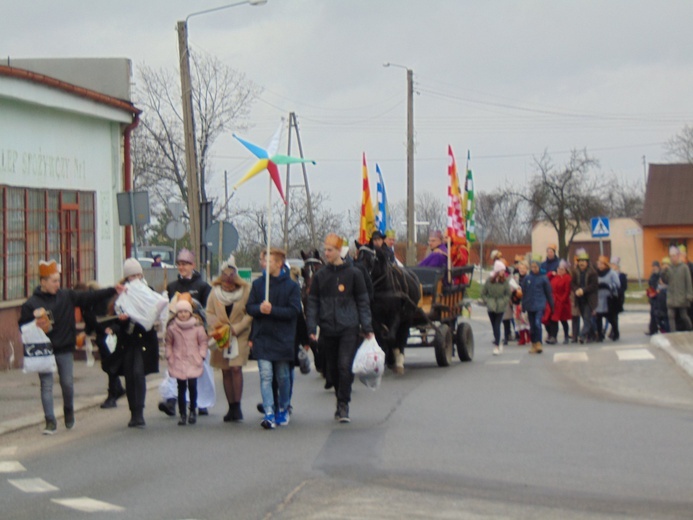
(506, 80)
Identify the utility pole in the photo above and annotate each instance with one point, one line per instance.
(293, 123)
(411, 223)
(190, 149)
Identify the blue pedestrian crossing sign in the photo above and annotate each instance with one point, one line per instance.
(600, 227)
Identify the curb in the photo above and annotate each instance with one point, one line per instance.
(82, 403)
(685, 361)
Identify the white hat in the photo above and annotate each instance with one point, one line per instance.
(131, 267)
(229, 263)
(498, 267)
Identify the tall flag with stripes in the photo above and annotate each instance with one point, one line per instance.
(456, 230)
(367, 222)
(470, 205)
(381, 219)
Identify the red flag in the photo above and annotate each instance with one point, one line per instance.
(367, 222)
(456, 230)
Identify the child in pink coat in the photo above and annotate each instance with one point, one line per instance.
(186, 349)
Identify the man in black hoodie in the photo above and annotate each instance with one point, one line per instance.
(53, 309)
(338, 303)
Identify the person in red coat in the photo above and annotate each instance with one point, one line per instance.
(560, 284)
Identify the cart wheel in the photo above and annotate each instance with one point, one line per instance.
(464, 340)
(442, 344)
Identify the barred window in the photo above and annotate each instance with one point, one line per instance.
(38, 224)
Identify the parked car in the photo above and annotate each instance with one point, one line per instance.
(166, 253)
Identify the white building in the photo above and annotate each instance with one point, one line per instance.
(62, 162)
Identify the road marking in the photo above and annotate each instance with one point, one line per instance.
(32, 485)
(88, 505)
(8, 451)
(640, 354)
(570, 357)
(504, 362)
(11, 466)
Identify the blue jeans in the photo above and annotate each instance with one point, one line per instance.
(535, 325)
(268, 371)
(65, 364)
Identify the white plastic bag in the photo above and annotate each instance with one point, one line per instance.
(232, 351)
(111, 342)
(38, 351)
(141, 304)
(369, 363)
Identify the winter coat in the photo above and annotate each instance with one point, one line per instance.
(239, 320)
(548, 266)
(186, 348)
(608, 290)
(132, 335)
(589, 286)
(61, 309)
(679, 290)
(560, 285)
(436, 258)
(196, 286)
(338, 301)
(536, 293)
(496, 294)
(274, 334)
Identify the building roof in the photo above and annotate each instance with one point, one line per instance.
(669, 195)
(34, 77)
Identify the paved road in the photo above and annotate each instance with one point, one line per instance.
(578, 432)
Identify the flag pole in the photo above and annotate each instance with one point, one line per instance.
(449, 260)
(269, 240)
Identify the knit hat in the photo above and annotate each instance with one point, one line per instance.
(616, 260)
(131, 267)
(334, 240)
(229, 263)
(563, 265)
(498, 267)
(496, 254)
(183, 305)
(603, 259)
(185, 256)
(47, 268)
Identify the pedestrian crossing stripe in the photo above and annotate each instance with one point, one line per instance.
(86, 504)
(11, 466)
(32, 485)
(8, 451)
(571, 357)
(639, 354)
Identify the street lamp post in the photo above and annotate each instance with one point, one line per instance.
(191, 164)
(411, 224)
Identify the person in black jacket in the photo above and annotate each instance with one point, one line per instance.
(54, 311)
(139, 350)
(338, 304)
(273, 336)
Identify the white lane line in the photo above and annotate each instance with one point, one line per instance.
(504, 362)
(8, 451)
(32, 485)
(86, 504)
(640, 354)
(11, 466)
(570, 357)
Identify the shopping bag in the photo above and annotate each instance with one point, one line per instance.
(38, 351)
(369, 363)
(141, 304)
(232, 351)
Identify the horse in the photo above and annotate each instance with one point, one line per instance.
(397, 292)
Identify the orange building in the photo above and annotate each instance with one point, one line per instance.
(668, 213)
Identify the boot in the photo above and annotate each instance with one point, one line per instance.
(110, 402)
(536, 348)
(183, 418)
(192, 419)
(399, 361)
(136, 418)
(229, 416)
(539, 349)
(168, 407)
(236, 412)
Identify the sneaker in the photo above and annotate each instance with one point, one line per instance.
(110, 402)
(69, 419)
(268, 422)
(496, 351)
(500, 349)
(283, 418)
(51, 427)
(202, 411)
(342, 414)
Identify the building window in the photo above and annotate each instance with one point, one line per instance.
(38, 224)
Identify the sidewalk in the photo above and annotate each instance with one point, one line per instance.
(20, 394)
(679, 345)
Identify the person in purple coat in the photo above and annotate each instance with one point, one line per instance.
(438, 257)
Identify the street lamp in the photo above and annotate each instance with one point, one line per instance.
(411, 224)
(192, 174)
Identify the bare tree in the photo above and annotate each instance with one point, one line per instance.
(566, 197)
(222, 99)
(680, 147)
(624, 199)
(504, 217)
(433, 210)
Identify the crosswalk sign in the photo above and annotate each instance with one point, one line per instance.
(600, 227)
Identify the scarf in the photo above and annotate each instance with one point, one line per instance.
(227, 298)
